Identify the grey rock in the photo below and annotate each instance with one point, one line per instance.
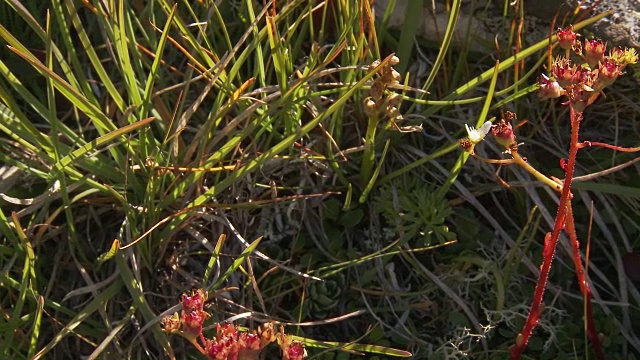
(622, 28)
(484, 18)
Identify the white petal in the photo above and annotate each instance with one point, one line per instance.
(485, 128)
(476, 135)
(469, 129)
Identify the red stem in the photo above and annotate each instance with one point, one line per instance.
(584, 285)
(550, 242)
(194, 342)
(585, 144)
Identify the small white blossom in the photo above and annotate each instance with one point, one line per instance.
(476, 135)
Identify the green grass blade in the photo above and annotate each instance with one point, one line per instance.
(93, 306)
(35, 331)
(134, 287)
(287, 142)
(122, 43)
(370, 349)
(25, 283)
(100, 120)
(462, 158)
(278, 53)
(260, 68)
(105, 78)
(444, 45)
(414, 13)
(66, 161)
(509, 62)
(613, 189)
(237, 263)
(376, 173)
(75, 72)
(425, 159)
(18, 127)
(153, 73)
(213, 259)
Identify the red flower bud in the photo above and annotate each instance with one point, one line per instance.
(295, 351)
(192, 323)
(503, 133)
(195, 301)
(608, 72)
(291, 349)
(563, 72)
(249, 346)
(226, 329)
(225, 348)
(583, 76)
(566, 37)
(594, 51)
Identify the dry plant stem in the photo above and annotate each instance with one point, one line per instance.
(494, 161)
(550, 242)
(570, 229)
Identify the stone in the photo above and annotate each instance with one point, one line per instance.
(484, 19)
(622, 28)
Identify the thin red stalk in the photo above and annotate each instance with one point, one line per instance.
(550, 242)
(203, 339)
(194, 342)
(608, 146)
(570, 229)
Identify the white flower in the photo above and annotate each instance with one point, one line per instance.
(476, 135)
